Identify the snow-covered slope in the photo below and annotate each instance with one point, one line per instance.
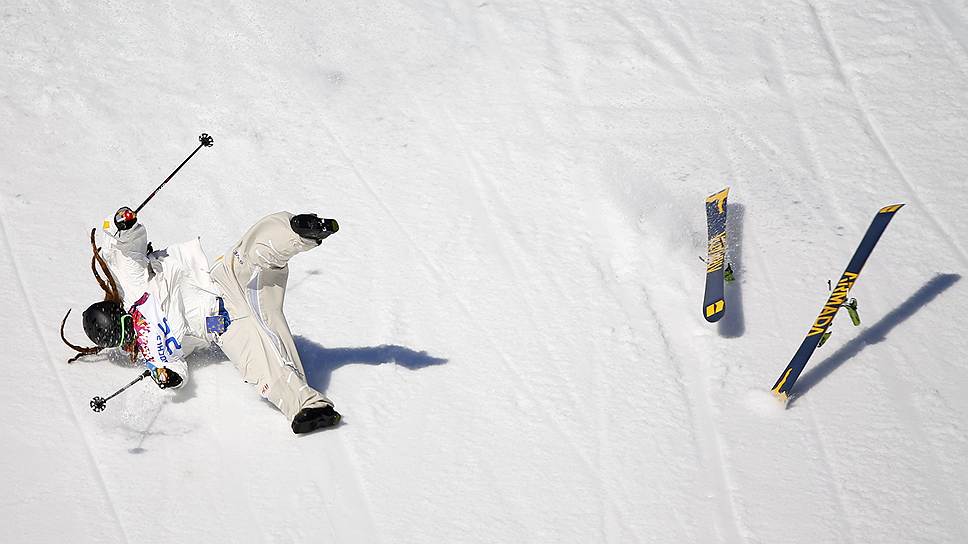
(509, 318)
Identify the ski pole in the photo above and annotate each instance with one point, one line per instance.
(98, 404)
(206, 141)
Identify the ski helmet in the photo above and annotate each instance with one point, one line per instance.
(105, 324)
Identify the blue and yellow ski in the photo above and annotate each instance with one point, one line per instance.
(714, 302)
(790, 374)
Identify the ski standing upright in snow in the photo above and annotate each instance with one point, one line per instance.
(837, 298)
(714, 301)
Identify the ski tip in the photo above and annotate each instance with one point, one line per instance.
(780, 388)
(891, 209)
(782, 397)
(718, 197)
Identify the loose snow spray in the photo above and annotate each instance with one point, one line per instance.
(140, 411)
(762, 402)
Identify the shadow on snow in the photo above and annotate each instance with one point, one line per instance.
(320, 362)
(876, 333)
(733, 324)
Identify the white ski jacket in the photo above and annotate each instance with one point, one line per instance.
(172, 291)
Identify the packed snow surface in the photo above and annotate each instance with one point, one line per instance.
(510, 316)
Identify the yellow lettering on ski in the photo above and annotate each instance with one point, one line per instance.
(717, 252)
(829, 310)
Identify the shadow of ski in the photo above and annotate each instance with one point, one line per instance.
(876, 333)
(733, 324)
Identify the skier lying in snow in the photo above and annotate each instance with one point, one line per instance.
(176, 303)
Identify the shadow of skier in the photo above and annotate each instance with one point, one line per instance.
(733, 324)
(876, 333)
(320, 362)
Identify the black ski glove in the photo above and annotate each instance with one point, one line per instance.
(125, 218)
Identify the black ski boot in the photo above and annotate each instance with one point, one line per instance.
(317, 417)
(309, 226)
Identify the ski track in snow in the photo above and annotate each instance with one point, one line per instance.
(494, 205)
(706, 437)
(818, 173)
(712, 444)
(814, 165)
(906, 412)
(345, 457)
(494, 344)
(901, 393)
(90, 457)
(874, 133)
(693, 385)
(942, 18)
(709, 441)
(833, 479)
(624, 298)
(465, 308)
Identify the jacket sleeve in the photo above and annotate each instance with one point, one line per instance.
(126, 255)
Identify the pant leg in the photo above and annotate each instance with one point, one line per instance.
(252, 276)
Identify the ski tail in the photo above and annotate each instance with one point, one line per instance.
(838, 296)
(714, 302)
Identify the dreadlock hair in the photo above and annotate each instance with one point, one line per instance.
(111, 294)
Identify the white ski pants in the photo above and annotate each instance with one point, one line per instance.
(252, 276)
